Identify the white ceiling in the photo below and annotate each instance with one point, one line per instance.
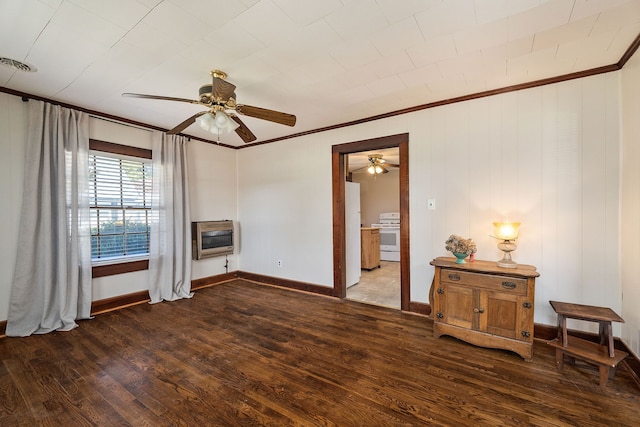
(326, 61)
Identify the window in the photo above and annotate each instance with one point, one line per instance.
(119, 202)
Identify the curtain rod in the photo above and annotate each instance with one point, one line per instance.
(106, 119)
(98, 115)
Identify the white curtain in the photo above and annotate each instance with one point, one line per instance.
(170, 240)
(52, 277)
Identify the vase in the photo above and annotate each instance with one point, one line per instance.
(460, 258)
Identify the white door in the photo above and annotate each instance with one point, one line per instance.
(352, 214)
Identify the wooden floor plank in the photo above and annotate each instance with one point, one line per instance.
(242, 353)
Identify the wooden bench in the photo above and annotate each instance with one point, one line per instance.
(603, 354)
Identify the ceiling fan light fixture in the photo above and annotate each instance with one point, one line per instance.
(220, 122)
(375, 169)
(206, 122)
(220, 99)
(224, 122)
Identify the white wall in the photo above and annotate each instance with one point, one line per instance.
(630, 229)
(547, 156)
(213, 189)
(284, 193)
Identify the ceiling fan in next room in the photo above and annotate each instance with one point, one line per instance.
(220, 99)
(377, 165)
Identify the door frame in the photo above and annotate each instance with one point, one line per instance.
(338, 171)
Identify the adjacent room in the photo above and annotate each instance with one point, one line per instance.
(337, 213)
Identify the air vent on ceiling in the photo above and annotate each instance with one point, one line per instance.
(21, 66)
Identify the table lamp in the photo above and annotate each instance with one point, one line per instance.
(507, 232)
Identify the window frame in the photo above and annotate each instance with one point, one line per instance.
(128, 266)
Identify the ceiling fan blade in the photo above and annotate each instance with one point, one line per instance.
(243, 131)
(162, 98)
(264, 114)
(221, 90)
(393, 165)
(182, 126)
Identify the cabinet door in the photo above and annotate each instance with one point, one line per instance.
(507, 315)
(501, 314)
(370, 254)
(456, 303)
(374, 247)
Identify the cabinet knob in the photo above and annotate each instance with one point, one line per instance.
(478, 310)
(525, 334)
(439, 315)
(526, 304)
(440, 290)
(454, 277)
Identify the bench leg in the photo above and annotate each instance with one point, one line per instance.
(604, 375)
(559, 359)
(612, 372)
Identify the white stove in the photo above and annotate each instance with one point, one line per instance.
(388, 220)
(389, 226)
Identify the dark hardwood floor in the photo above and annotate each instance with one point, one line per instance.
(245, 354)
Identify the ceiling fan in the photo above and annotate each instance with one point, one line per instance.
(377, 165)
(220, 99)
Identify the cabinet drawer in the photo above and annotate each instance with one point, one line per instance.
(514, 285)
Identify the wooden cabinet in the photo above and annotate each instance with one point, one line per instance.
(483, 304)
(370, 248)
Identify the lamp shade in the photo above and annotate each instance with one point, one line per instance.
(221, 119)
(206, 122)
(224, 122)
(506, 230)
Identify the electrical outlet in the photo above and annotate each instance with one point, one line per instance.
(431, 204)
(279, 262)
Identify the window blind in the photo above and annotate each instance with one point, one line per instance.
(120, 206)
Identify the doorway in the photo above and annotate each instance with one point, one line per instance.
(375, 175)
(339, 155)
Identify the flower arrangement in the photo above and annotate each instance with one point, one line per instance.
(459, 245)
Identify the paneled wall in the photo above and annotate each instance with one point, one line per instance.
(548, 157)
(284, 207)
(213, 196)
(630, 227)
